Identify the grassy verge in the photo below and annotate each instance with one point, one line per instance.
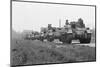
(25, 52)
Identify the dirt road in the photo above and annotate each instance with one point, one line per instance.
(85, 44)
(76, 42)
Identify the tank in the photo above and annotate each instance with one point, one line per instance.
(32, 36)
(70, 31)
(74, 30)
(80, 31)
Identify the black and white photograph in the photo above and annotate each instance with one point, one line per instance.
(52, 33)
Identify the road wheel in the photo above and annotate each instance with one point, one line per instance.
(82, 40)
(86, 40)
(66, 39)
(41, 39)
(50, 39)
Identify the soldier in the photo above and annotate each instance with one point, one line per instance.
(67, 25)
(80, 23)
(66, 22)
(49, 26)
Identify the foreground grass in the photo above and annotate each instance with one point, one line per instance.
(25, 52)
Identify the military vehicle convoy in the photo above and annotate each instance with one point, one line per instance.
(70, 31)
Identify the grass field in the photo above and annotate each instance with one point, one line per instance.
(25, 52)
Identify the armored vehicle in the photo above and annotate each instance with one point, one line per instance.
(70, 31)
(32, 36)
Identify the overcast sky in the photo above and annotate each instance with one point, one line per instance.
(33, 16)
